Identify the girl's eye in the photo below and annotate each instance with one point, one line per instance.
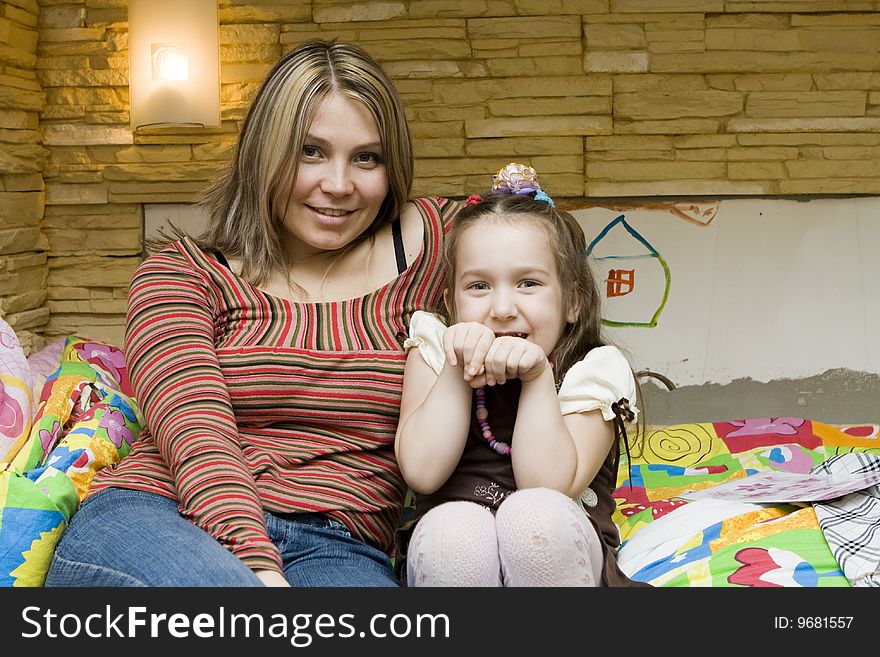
(530, 283)
(477, 286)
(311, 151)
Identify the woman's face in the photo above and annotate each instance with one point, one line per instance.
(342, 180)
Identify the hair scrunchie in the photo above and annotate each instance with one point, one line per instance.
(519, 180)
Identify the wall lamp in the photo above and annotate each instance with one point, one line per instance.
(174, 63)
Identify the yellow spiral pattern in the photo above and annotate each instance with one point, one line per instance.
(683, 445)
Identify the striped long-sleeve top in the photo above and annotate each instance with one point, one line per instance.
(255, 403)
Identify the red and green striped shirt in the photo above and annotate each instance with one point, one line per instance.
(255, 403)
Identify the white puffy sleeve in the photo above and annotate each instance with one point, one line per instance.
(426, 333)
(602, 378)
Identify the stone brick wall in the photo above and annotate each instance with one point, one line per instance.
(607, 98)
(23, 270)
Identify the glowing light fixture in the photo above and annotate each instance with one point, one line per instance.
(169, 61)
(174, 65)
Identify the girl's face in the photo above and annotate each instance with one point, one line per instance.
(341, 182)
(506, 279)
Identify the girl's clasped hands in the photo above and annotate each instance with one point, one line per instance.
(489, 359)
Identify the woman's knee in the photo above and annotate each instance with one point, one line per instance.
(127, 538)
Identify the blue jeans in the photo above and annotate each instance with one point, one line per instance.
(123, 537)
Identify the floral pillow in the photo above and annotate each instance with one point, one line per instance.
(16, 394)
(84, 421)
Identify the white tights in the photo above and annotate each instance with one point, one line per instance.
(538, 537)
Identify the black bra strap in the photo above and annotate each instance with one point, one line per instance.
(221, 259)
(399, 252)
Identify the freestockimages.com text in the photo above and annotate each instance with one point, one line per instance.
(300, 629)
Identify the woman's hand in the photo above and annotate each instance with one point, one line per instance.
(272, 578)
(513, 358)
(466, 345)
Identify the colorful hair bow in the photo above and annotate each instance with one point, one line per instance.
(519, 180)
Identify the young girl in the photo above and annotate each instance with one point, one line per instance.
(511, 416)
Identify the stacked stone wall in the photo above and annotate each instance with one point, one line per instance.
(607, 98)
(23, 242)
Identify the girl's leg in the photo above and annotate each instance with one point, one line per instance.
(454, 544)
(318, 551)
(546, 539)
(129, 538)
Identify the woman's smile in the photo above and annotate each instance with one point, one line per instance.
(331, 216)
(330, 212)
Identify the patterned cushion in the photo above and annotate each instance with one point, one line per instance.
(670, 541)
(84, 421)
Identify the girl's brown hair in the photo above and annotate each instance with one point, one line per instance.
(568, 243)
(566, 240)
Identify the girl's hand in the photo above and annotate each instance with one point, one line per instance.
(466, 345)
(514, 358)
(272, 578)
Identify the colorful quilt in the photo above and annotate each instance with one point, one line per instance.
(84, 420)
(671, 541)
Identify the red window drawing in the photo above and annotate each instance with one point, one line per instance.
(620, 282)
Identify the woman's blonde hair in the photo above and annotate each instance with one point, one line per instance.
(245, 206)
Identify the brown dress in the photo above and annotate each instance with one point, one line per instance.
(486, 477)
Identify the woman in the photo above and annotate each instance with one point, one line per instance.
(267, 357)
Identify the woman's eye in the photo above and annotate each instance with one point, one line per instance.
(311, 151)
(367, 158)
